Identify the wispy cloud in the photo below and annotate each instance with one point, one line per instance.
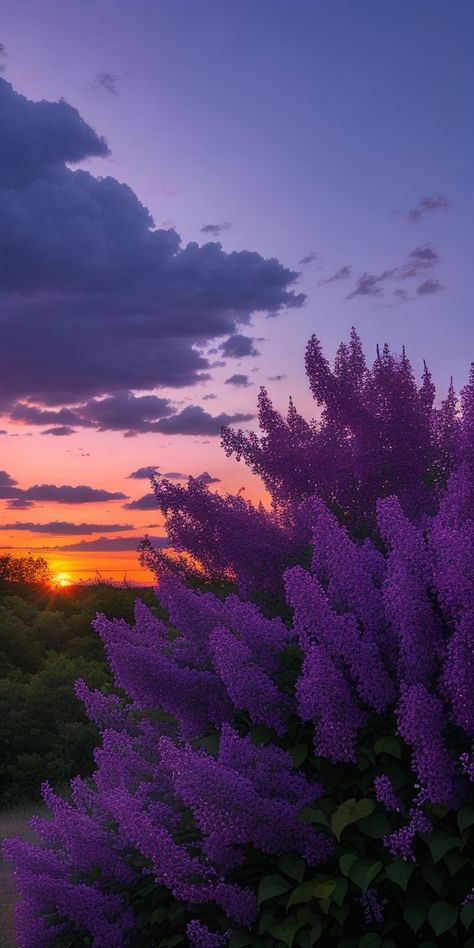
(64, 528)
(107, 82)
(426, 205)
(429, 287)
(343, 273)
(241, 381)
(215, 230)
(309, 258)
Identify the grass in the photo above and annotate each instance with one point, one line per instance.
(13, 822)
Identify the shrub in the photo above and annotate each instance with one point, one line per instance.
(293, 772)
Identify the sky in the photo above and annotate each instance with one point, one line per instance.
(188, 190)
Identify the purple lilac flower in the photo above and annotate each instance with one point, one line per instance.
(400, 842)
(248, 686)
(467, 764)
(199, 936)
(458, 674)
(325, 697)
(421, 723)
(373, 909)
(385, 793)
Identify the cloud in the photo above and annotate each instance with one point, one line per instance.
(90, 283)
(147, 502)
(276, 378)
(107, 81)
(6, 481)
(436, 202)
(309, 258)
(193, 420)
(241, 381)
(19, 503)
(125, 411)
(207, 398)
(420, 259)
(342, 274)
(175, 476)
(3, 55)
(60, 432)
(238, 346)
(206, 478)
(216, 229)
(428, 287)
(3, 431)
(367, 285)
(110, 544)
(143, 473)
(64, 528)
(52, 493)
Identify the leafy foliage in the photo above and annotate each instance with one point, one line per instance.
(292, 765)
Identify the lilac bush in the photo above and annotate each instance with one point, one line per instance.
(282, 760)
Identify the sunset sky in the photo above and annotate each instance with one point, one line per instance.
(188, 190)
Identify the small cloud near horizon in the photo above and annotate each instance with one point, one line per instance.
(215, 230)
(64, 528)
(241, 381)
(143, 473)
(110, 544)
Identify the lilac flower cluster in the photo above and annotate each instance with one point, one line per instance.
(376, 627)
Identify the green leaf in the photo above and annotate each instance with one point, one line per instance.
(364, 871)
(399, 872)
(272, 886)
(465, 818)
(340, 891)
(434, 878)
(467, 914)
(442, 843)
(370, 940)
(455, 862)
(306, 939)
(308, 814)
(376, 826)
(284, 932)
(313, 889)
(346, 862)
(241, 939)
(415, 915)
(349, 812)
(442, 916)
(293, 866)
(260, 734)
(388, 745)
(299, 754)
(210, 743)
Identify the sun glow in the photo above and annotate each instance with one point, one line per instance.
(61, 579)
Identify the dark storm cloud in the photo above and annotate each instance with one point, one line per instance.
(143, 473)
(216, 229)
(238, 346)
(342, 274)
(193, 420)
(61, 432)
(429, 287)
(436, 202)
(63, 528)
(309, 258)
(87, 284)
(110, 544)
(241, 381)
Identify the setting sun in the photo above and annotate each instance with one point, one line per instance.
(61, 579)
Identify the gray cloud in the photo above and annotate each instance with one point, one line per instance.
(207, 398)
(241, 381)
(63, 494)
(91, 285)
(429, 287)
(238, 346)
(207, 478)
(436, 202)
(61, 432)
(418, 261)
(276, 378)
(343, 273)
(147, 502)
(64, 528)
(110, 544)
(143, 473)
(106, 81)
(309, 258)
(216, 229)
(193, 420)
(175, 475)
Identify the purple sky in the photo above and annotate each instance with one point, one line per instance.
(332, 140)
